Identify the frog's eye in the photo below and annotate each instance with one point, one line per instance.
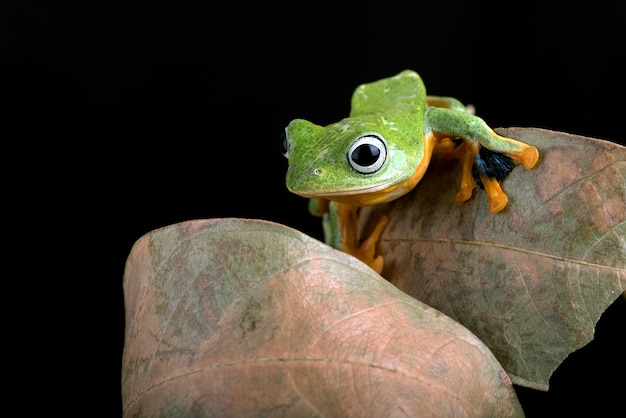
(368, 154)
(284, 144)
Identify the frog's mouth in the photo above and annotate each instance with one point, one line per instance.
(369, 195)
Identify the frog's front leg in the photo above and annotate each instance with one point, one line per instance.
(486, 156)
(340, 225)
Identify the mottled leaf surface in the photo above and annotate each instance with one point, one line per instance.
(532, 280)
(233, 317)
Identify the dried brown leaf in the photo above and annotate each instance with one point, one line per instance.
(231, 317)
(533, 280)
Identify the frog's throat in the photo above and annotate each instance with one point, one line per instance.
(385, 193)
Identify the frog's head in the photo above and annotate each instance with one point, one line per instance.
(360, 160)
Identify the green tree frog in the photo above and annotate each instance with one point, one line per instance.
(382, 150)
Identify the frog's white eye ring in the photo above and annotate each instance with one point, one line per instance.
(284, 144)
(368, 154)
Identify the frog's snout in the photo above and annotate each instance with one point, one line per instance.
(302, 181)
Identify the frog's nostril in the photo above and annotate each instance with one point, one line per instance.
(317, 171)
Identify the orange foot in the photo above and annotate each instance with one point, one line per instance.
(489, 172)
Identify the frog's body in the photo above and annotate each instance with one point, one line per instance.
(382, 150)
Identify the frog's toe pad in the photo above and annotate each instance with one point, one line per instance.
(529, 156)
(497, 198)
(464, 194)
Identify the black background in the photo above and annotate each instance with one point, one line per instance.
(130, 117)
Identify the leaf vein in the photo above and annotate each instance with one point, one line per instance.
(509, 248)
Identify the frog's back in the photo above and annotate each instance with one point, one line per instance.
(402, 93)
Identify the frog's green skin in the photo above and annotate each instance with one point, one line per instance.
(381, 151)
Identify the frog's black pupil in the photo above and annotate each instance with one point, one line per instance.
(365, 155)
(284, 143)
